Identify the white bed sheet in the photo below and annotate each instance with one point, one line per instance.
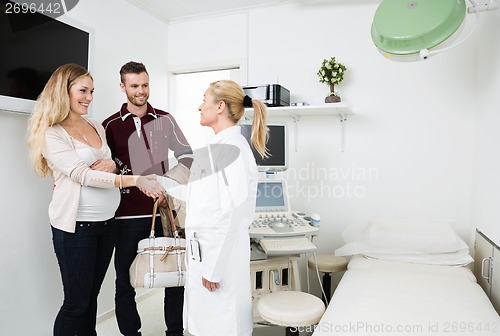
(378, 297)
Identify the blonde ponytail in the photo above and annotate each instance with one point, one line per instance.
(232, 94)
(260, 132)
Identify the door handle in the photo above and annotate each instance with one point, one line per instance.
(487, 277)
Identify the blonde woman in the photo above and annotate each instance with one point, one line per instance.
(221, 199)
(73, 150)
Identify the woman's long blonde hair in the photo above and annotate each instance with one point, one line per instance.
(233, 96)
(51, 108)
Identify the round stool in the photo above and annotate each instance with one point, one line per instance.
(327, 264)
(291, 309)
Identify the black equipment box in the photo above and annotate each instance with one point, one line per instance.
(271, 94)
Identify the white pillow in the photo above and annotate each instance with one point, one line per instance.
(401, 237)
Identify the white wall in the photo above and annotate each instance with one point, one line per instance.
(413, 129)
(30, 288)
(411, 132)
(30, 276)
(486, 196)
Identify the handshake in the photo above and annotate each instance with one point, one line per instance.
(174, 182)
(150, 186)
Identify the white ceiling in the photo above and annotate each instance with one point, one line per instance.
(169, 10)
(178, 9)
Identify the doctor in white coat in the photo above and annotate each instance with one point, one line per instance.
(221, 198)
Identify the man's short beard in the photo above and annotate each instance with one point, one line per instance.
(132, 100)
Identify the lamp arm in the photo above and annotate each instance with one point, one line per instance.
(485, 6)
(476, 9)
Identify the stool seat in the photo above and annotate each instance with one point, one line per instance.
(327, 263)
(291, 309)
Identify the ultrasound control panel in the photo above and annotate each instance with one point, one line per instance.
(276, 224)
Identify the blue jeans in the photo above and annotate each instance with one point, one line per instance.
(128, 233)
(83, 258)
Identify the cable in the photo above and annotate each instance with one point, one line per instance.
(307, 276)
(319, 278)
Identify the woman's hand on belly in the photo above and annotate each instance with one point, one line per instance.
(108, 166)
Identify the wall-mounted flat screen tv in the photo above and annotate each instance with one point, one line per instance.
(33, 46)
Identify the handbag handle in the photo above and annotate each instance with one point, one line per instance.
(170, 217)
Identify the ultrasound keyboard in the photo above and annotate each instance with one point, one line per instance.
(290, 245)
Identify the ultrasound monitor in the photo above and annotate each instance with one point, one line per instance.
(277, 146)
(271, 196)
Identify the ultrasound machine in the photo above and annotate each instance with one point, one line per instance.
(276, 228)
(278, 235)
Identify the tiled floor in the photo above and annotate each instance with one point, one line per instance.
(151, 310)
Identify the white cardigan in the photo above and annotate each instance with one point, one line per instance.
(70, 173)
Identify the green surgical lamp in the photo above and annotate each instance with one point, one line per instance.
(406, 30)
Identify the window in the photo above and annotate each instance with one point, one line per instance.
(188, 90)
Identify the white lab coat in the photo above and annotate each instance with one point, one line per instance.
(221, 205)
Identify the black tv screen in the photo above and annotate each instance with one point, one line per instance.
(277, 146)
(33, 46)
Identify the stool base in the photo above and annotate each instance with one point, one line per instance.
(292, 331)
(327, 284)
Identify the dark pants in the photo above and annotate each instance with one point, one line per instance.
(128, 233)
(83, 257)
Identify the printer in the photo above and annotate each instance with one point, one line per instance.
(270, 94)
